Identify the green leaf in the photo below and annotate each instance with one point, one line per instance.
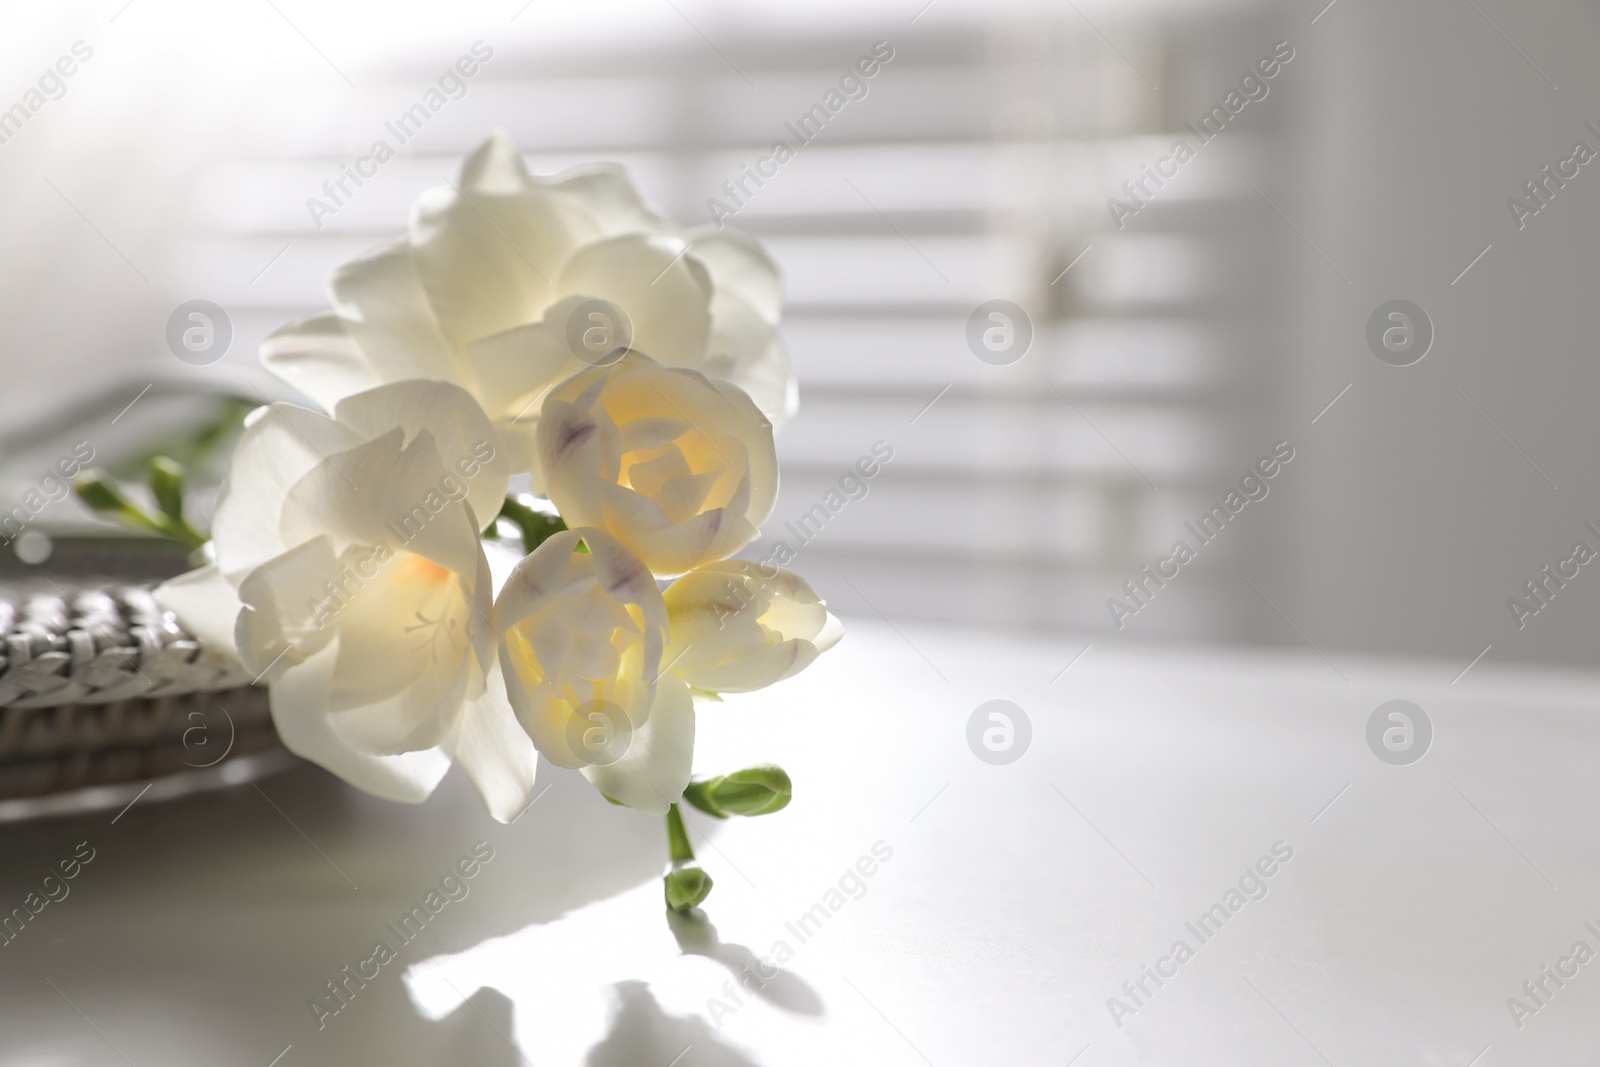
(166, 484)
(686, 887)
(102, 494)
(536, 527)
(98, 491)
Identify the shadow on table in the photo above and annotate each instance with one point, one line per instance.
(478, 1032)
(697, 936)
(641, 1033)
(203, 928)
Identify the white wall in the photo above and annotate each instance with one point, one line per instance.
(1414, 519)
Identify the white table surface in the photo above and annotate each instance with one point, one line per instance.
(1018, 900)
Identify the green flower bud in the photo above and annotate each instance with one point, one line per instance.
(686, 887)
(759, 790)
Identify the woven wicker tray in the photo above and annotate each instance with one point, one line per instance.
(104, 697)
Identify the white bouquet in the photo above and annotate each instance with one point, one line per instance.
(553, 328)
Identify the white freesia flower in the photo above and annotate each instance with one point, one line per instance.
(580, 651)
(481, 291)
(348, 558)
(599, 664)
(678, 467)
(738, 626)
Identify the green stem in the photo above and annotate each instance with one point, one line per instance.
(678, 837)
(182, 532)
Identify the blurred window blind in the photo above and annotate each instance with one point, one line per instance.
(977, 167)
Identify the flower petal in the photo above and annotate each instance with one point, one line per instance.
(515, 368)
(383, 493)
(281, 444)
(461, 432)
(652, 774)
(299, 711)
(764, 667)
(206, 604)
(387, 312)
(319, 357)
(615, 205)
(738, 265)
(675, 547)
(739, 626)
(495, 167)
(495, 751)
(406, 658)
(489, 252)
(581, 638)
(665, 294)
(750, 353)
(280, 624)
(599, 426)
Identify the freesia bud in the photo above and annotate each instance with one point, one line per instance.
(581, 639)
(759, 790)
(738, 626)
(686, 887)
